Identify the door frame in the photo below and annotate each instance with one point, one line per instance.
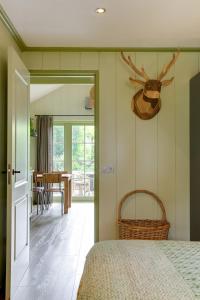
(77, 77)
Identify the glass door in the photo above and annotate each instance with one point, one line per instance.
(83, 160)
(58, 148)
(73, 150)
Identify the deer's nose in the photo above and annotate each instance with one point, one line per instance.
(152, 94)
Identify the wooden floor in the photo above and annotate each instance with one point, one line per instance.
(58, 249)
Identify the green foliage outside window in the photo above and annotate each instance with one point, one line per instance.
(58, 148)
(82, 148)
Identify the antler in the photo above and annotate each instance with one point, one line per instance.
(167, 67)
(129, 62)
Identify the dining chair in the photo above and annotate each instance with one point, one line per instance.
(61, 172)
(52, 178)
(38, 189)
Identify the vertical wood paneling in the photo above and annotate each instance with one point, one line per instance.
(146, 147)
(125, 136)
(166, 145)
(32, 60)
(51, 60)
(186, 67)
(70, 60)
(151, 154)
(89, 61)
(107, 204)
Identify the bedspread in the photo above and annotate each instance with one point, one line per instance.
(141, 270)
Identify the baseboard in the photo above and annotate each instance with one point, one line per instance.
(56, 199)
(82, 201)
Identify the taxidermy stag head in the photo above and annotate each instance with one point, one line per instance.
(146, 103)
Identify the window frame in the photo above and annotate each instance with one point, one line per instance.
(68, 150)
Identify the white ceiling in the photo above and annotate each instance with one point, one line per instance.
(40, 90)
(126, 23)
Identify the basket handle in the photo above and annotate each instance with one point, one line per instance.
(164, 219)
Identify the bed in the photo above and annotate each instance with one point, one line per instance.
(141, 270)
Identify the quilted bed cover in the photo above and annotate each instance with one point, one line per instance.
(141, 270)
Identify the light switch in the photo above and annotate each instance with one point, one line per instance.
(108, 169)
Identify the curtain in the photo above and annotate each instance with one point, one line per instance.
(44, 143)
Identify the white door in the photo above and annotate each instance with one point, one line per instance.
(17, 259)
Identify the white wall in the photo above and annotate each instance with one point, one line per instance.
(69, 99)
(151, 154)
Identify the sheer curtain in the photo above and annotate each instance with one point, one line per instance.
(44, 143)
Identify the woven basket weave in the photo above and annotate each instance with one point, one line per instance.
(143, 229)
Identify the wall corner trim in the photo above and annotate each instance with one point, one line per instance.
(110, 49)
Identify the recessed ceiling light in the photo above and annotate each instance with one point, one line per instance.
(100, 10)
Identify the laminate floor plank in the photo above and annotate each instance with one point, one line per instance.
(58, 247)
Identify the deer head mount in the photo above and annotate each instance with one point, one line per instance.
(146, 103)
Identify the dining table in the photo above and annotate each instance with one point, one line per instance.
(67, 180)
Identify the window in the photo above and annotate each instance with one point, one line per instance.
(73, 150)
(58, 148)
(83, 160)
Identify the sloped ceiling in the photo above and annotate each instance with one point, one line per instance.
(128, 23)
(38, 91)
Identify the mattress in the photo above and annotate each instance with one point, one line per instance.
(141, 270)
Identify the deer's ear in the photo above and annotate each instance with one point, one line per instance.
(167, 82)
(137, 82)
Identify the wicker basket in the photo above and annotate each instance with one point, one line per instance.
(143, 229)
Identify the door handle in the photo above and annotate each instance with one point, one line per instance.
(15, 172)
(9, 173)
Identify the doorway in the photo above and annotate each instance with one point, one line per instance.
(21, 281)
(78, 78)
(59, 244)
